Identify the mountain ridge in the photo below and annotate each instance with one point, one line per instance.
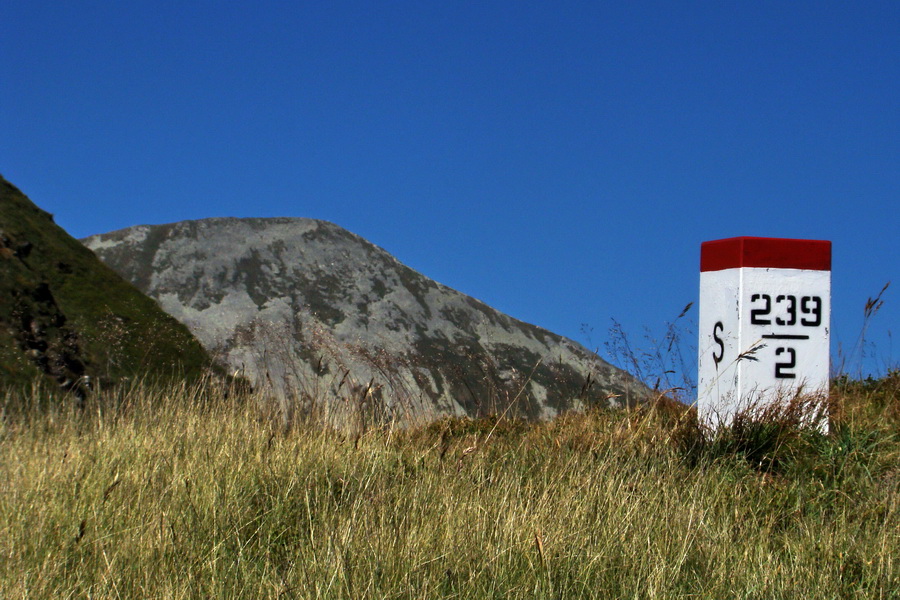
(303, 304)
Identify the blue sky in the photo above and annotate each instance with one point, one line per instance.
(561, 161)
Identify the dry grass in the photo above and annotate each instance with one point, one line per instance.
(187, 494)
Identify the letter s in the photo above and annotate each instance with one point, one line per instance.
(717, 329)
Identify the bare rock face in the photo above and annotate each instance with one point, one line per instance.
(326, 318)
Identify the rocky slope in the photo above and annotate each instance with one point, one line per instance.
(325, 318)
(66, 316)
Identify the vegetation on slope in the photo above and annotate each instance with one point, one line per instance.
(65, 315)
(182, 493)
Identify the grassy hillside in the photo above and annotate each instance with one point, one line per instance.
(181, 494)
(65, 315)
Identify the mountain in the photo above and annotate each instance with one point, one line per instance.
(66, 316)
(315, 312)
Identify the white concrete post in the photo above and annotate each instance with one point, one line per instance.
(765, 320)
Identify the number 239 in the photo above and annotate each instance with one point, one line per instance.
(786, 304)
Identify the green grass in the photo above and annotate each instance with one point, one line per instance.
(51, 283)
(181, 493)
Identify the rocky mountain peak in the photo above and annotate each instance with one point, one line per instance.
(318, 313)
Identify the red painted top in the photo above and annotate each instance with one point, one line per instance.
(773, 253)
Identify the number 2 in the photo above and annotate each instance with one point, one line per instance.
(757, 314)
(780, 367)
